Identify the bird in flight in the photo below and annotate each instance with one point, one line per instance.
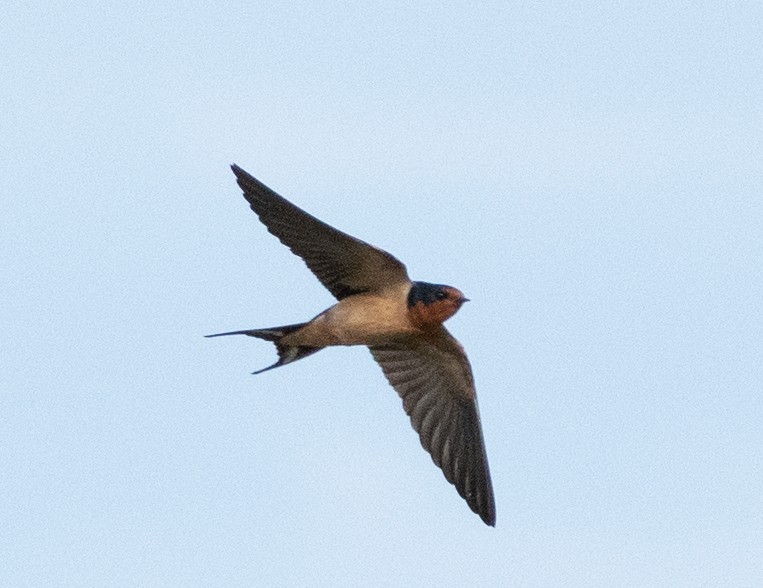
(400, 321)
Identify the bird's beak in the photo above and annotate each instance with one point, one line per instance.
(465, 299)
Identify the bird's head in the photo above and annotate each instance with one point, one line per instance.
(433, 304)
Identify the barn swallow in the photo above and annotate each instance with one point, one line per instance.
(400, 321)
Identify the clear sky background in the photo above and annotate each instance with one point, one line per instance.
(589, 174)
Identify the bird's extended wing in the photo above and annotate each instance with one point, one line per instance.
(344, 264)
(433, 377)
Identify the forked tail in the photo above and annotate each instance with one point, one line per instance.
(286, 353)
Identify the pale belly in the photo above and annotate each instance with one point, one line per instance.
(358, 320)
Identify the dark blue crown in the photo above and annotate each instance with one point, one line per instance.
(426, 293)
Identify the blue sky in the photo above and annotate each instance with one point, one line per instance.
(589, 175)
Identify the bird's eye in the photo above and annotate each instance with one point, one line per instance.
(441, 295)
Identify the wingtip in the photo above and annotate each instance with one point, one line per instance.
(488, 517)
(243, 177)
(487, 511)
